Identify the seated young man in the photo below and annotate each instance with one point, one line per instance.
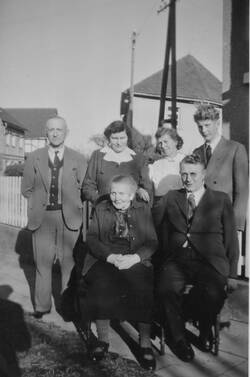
(201, 249)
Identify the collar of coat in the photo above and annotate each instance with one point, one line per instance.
(107, 204)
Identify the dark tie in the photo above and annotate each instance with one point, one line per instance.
(56, 159)
(191, 206)
(208, 153)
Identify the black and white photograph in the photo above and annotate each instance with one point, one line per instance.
(124, 185)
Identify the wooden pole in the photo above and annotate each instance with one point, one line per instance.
(165, 71)
(131, 91)
(173, 68)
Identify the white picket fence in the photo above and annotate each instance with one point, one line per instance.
(13, 211)
(13, 206)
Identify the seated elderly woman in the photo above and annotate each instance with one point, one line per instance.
(117, 268)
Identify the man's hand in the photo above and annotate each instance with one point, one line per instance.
(143, 194)
(125, 262)
(232, 285)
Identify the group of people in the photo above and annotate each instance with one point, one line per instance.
(156, 227)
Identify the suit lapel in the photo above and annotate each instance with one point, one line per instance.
(202, 208)
(42, 164)
(218, 154)
(67, 165)
(181, 201)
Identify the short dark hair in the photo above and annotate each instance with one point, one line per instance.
(172, 133)
(206, 111)
(128, 179)
(192, 159)
(117, 126)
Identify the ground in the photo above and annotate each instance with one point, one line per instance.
(39, 349)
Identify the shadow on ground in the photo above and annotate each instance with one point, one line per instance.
(14, 334)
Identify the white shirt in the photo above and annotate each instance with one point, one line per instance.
(164, 174)
(213, 144)
(197, 195)
(52, 151)
(124, 156)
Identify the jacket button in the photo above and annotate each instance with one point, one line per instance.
(188, 235)
(215, 182)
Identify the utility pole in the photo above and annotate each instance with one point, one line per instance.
(170, 48)
(131, 90)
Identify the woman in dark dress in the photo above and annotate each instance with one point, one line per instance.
(117, 269)
(115, 158)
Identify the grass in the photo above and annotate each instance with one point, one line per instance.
(58, 353)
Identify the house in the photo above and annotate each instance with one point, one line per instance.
(12, 134)
(33, 120)
(194, 84)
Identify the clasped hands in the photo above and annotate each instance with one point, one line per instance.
(123, 262)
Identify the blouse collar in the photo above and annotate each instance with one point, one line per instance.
(124, 156)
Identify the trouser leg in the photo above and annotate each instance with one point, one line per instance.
(212, 295)
(170, 288)
(44, 254)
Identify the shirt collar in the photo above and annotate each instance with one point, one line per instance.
(213, 144)
(197, 194)
(123, 156)
(52, 152)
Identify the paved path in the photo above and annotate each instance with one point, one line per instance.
(17, 275)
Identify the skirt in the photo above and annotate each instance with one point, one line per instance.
(118, 294)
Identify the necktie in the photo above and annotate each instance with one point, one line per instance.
(56, 159)
(208, 153)
(191, 206)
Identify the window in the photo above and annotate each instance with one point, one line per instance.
(13, 140)
(21, 142)
(8, 139)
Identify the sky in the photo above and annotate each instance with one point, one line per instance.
(75, 55)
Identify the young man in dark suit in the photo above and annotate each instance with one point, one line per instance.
(201, 249)
(225, 160)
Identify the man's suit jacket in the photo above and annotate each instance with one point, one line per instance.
(35, 187)
(227, 171)
(212, 232)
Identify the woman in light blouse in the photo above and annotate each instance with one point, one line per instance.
(164, 172)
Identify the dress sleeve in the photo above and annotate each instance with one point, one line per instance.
(89, 186)
(144, 180)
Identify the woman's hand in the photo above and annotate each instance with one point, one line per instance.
(113, 258)
(125, 262)
(143, 194)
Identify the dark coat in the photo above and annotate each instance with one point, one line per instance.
(227, 171)
(99, 173)
(212, 232)
(143, 240)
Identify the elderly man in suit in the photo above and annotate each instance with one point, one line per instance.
(201, 249)
(52, 184)
(225, 160)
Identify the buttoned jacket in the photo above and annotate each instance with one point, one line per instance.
(143, 239)
(35, 187)
(212, 232)
(227, 171)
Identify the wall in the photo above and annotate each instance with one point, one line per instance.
(235, 69)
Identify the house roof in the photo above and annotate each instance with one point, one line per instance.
(194, 82)
(5, 116)
(33, 119)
